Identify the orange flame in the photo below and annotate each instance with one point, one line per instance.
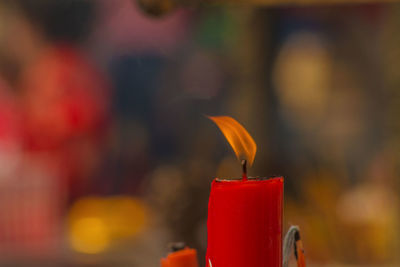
(239, 139)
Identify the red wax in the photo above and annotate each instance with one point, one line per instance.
(245, 223)
(184, 258)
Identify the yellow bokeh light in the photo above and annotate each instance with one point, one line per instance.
(89, 235)
(127, 216)
(95, 223)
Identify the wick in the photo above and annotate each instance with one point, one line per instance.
(244, 169)
(174, 247)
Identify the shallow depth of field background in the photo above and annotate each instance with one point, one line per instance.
(106, 154)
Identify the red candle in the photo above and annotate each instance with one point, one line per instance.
(244, 216)
(245, 223)
(183, 258)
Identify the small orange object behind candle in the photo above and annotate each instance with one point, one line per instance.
(186, 257)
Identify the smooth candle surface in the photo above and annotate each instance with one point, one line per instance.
(245, 223)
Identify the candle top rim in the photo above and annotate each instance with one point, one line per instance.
(250, 179)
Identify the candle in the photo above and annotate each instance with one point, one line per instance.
(244, 215)
(186, 257)
(245, 223)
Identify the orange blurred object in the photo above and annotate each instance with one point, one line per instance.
(301, 259)
(186, 257)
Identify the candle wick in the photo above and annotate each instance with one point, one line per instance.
(244, 169)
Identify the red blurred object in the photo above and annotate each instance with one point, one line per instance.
(9, 117)
(63, 95)
(245, 223)
(30, 213)
(65, 112)
(30, 197)
(183, 258)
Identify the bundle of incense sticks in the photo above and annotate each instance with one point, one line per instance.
(293, 243)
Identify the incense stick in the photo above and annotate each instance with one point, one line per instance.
(292, 243)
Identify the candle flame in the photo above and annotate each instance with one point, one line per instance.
(240, 140)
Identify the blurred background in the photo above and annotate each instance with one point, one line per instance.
(106, 155)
